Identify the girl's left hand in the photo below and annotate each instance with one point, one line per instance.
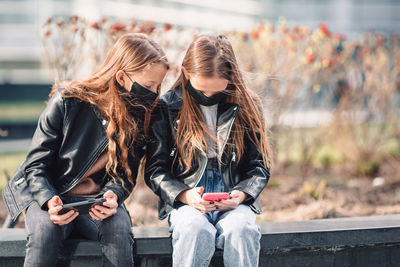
(107, 209)
(236, 198)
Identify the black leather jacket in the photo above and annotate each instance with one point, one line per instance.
(250, 175)
(69, 138)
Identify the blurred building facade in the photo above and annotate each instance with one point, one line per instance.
(21, 21)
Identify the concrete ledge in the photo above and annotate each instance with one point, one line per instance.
(359, 241)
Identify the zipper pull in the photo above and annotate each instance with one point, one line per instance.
(233, 156)
(19, 181)
(172, 152)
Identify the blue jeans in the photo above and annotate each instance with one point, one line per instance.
(196, 235)
(45, 239)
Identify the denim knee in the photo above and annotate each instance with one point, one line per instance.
(118, 225)
(195, 227)
(45, 235)
(43, 241)
(243, 231)
(41, 230)
(193, 239)
(239, 225)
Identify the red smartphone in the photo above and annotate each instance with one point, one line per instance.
(215, 196)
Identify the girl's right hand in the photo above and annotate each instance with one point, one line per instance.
(192, 197)
(55, 205)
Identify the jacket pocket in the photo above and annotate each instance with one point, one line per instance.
(9, 199)
(17, 196)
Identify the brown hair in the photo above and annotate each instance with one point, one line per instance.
(131, 53)
(213, 56)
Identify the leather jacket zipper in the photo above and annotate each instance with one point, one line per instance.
(230, 167)
(203, 169)
(227, 136)
(172, 153)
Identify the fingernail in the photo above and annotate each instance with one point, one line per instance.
(212, 202)
(216, 207)
(219, 200)
(230, 197)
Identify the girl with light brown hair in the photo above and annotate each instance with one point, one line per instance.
(88, 144)
(210, 137)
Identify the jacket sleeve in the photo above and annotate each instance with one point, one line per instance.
(255, 174)
(42, 155)
(158, 174)
(122, 191)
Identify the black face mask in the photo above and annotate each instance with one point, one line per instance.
(141, 95)
(201, 98)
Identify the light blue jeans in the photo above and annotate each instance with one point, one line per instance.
(195, 235)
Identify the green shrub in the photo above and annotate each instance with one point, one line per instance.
(368, 167)
(313, 189)
(326, 157)
(394, 151)
(326, 161)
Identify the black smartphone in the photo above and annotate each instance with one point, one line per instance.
(82, 207)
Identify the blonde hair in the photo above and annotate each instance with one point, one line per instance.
(131, 53)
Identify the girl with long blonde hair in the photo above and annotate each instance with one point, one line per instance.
(88, 144)
(210, 137)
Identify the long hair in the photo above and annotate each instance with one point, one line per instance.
(131, 53)
(213, 56)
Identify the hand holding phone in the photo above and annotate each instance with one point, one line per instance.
(55, 205)
(107, 209)
(192, 197)
(82, 206)
(235, 199)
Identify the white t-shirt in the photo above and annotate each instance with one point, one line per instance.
(210, 119)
